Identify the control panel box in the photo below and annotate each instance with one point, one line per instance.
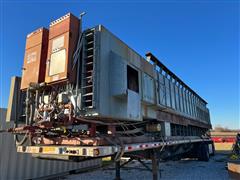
(63, 37)
(34, 65)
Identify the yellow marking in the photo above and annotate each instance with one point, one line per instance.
(49, 150)
(33, 150)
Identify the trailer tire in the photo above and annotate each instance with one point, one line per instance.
(203, 152)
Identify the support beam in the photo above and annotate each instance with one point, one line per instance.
(155, 165)
(130, 160)
(117, 169)
(139, 160)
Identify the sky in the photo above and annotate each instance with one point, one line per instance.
(197, 40)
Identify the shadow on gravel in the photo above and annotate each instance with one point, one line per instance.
(185, 169)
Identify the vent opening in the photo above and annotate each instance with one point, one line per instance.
(132, 79)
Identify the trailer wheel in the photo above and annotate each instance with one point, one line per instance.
(203, 152)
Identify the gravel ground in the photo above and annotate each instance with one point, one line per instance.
(179, 170)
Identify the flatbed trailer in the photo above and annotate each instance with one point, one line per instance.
(92, 96)
(203, 148)
(102, 151)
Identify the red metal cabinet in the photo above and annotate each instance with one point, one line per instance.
(63, 37)
(34, 65)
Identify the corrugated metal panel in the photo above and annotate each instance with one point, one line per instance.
(190, 105)
(168, 94)
(194, 106)
(172, 95)
(186, 102)
(180, 99)
(162, 90)
(16, 166)
(177, 97)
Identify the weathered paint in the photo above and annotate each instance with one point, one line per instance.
(157, 90)
(34, 65)
(16, 166)
(63, 35)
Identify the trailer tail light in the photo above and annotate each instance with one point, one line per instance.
(63, 37)
(129, 148)
(34, 65)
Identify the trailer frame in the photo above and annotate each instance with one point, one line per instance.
(150, 150)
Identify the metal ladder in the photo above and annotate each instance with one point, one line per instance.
(88, 70)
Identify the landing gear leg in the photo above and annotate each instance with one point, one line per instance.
(117, 170)
(155, 165)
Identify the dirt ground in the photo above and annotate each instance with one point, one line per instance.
(180, 170)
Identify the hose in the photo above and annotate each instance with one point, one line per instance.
(22, 141)
(28, 121)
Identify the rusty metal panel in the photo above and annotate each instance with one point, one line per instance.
(39, 36)
(35, 57)
(20, 166)
(63, 37)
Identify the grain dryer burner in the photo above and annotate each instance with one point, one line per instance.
(98, 97)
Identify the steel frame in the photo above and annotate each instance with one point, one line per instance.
(152, 154)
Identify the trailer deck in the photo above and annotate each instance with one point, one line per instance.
(101, 151)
